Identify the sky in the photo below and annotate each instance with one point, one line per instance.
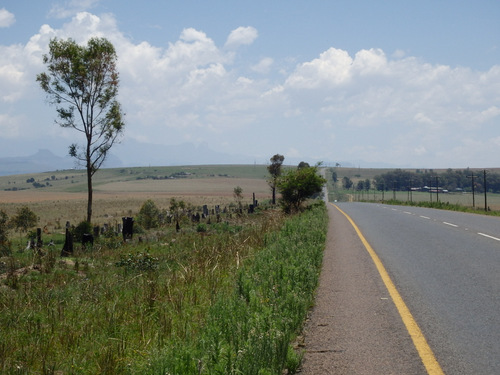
(410, 84)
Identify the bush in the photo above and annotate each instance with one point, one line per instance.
(4, 227)
(24, 219)
(201, 228)
(82, 228)
(148, 215)
(298, 185)
(140, 261)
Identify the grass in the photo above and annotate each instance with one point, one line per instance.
(455, 201)
(74, 180)
(121, 192)
(228, 299)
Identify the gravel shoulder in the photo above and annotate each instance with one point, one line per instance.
(354, 327)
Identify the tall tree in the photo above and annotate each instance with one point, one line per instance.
(275, 171)
(82, 82)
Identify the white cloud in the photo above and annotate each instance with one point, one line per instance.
(241, 36)
(369, 106)
(72, 7)
(263, 66)
(7, 19)
(371, 61)
(333, 67)
(10, 127)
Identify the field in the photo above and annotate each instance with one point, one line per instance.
(121, 192)
(359, 174)
(218, 296)
(223, 295)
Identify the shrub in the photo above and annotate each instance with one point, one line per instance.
(4, 227)
(148, 215)
(82, 228)
(139, 261)
(201, 228)
(24, 219)
(298, 185)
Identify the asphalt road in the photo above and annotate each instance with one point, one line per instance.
(446, 266)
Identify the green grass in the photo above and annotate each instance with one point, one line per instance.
(449, 201)
(226, 300)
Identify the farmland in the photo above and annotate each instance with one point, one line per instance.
(121, 192)
(224, 295)
(218, 296)
(463, 198)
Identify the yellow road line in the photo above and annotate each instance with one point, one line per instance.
(428, 359)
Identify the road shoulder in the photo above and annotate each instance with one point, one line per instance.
(354, 327)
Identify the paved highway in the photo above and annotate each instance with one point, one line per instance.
(446, 266)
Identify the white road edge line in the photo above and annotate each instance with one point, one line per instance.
(450, 224)
(488, 236)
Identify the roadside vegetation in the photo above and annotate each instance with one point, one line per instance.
(226, 294)
(228, 299)
(444, 189)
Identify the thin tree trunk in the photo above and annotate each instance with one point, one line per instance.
(89, 188)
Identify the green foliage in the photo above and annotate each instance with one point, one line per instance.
(139, 261)
(298, 185)
(250, 331)
(275, 171)
(84, 227)
(149, 214)
(201, 228)
(346, 183)
(451, 180)
(230, 302)
(439, 205)
(82, 82)
(238, 195)
(4, 227)
(24, 219)
(334, 176)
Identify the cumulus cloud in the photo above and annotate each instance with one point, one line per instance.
(241, 36)
(333, 67)
(406, 109)
(366, 106)
(7, 19)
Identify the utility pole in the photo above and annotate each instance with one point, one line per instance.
(437, 189)
(430, 187)
(473, 200)
(485, 201)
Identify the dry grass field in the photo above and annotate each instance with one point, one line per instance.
(121, 192)
(198, 299)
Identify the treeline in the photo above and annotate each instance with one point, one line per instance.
(451, 180)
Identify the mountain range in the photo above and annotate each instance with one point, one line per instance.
(136, 154)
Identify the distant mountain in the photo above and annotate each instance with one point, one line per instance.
(42, 161)
(136, 154)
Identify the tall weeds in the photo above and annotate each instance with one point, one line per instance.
(228, 300)
(249, 331)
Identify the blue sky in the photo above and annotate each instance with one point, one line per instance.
(405, 83)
